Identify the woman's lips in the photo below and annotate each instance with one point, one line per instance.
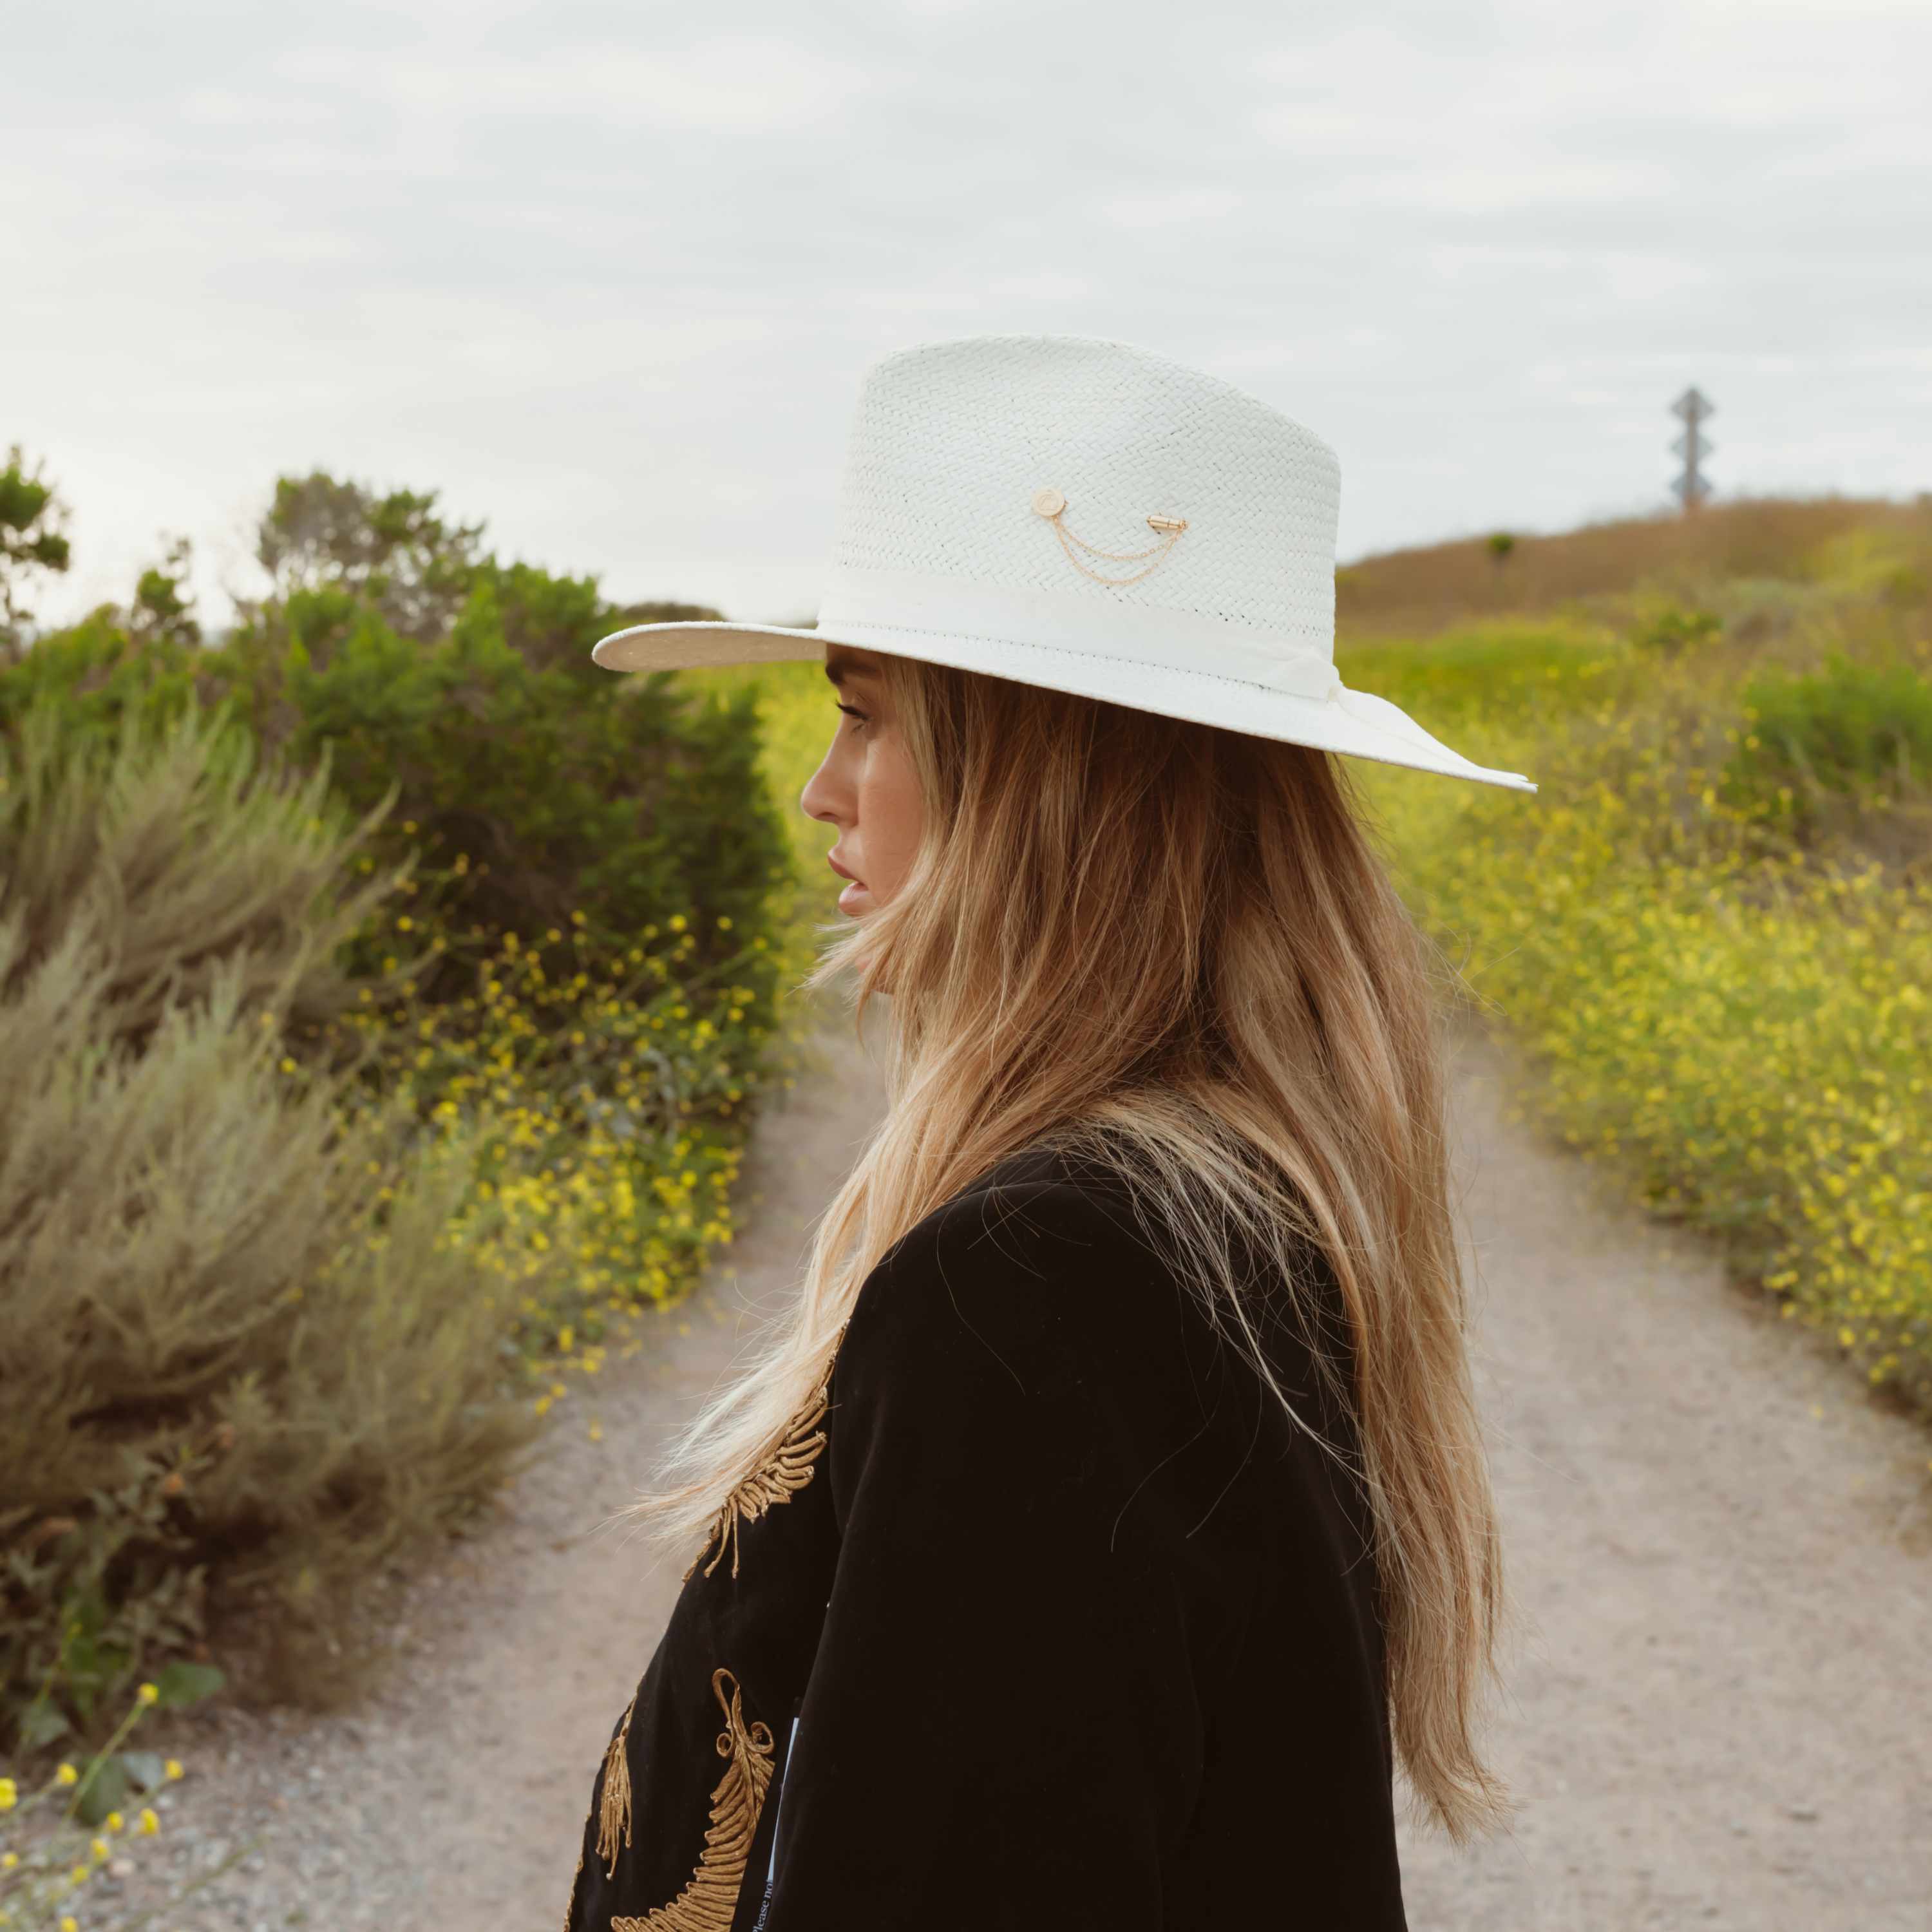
(853, 891)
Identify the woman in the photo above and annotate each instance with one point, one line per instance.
(1110, 1514)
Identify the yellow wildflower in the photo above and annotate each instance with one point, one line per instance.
(66, 1774)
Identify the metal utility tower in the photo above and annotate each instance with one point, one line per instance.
(1693, 487)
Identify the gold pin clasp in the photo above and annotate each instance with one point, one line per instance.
(1048, 502)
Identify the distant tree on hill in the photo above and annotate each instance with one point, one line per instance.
(392, 553)
(392, 550)
(30, 514)
(164, 605)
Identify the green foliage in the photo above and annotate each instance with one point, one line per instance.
(30, 540)
(530, 794)
(412, 1109)
(163, 607)
(527, 781)
(1854, 730)
(391, 551)
(1501, 543)
(214, 874)
(56, 1839)
(1491, 672)
(1668, 628)
(234, 1332)
(1884, 565)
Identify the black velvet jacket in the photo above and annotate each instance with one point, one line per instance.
(1043, 1615)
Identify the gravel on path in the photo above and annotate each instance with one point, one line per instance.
(1720, 1711)
(1718, 1705)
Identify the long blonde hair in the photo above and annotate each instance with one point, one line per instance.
(1177, 947)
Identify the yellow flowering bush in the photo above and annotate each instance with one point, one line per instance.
(59, 1833)
(1741, 1021)
(613, 1114)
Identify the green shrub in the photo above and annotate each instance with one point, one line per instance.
(354, 1111)
(535, 796)
(1669, 628)
(235, 1336)
(295, 1255)
(1887, 565)
(1854, 730)
(532, 793)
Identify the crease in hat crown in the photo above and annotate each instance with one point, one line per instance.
(940, 551)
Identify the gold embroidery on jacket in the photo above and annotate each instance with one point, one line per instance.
(776, 1480)
(613, 1806)
(710, 1896)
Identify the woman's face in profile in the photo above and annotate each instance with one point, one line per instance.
(865, 786)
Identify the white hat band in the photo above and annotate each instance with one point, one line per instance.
(888, 607)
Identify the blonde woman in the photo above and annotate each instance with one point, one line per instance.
(1110, 1516)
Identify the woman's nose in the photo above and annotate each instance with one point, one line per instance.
(815, 801)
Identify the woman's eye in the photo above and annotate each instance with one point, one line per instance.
(852, 711)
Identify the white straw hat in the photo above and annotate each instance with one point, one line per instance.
(1085, 516)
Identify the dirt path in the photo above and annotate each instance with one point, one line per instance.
(1721, 1705)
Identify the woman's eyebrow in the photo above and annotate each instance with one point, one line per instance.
(839, 669)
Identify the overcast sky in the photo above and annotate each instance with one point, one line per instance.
(606, 274)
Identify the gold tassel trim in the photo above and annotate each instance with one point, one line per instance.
(614, 1805)
(785, 1471)
(710, 1897)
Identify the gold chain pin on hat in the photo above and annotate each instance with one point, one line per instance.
(1050, 502)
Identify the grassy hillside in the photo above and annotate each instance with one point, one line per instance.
(1598, 570)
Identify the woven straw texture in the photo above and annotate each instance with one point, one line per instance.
(952, 440)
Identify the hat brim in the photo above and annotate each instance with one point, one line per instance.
(1354, 723)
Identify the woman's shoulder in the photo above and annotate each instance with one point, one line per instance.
(1043, 1241)
(1047, 1267)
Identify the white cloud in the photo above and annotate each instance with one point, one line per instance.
(1158, 210)
(752, 84)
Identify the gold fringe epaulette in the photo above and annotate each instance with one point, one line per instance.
(710, 1897)
(614, 1804)
(785, 1470)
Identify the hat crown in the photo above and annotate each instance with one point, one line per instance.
(955, 446)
